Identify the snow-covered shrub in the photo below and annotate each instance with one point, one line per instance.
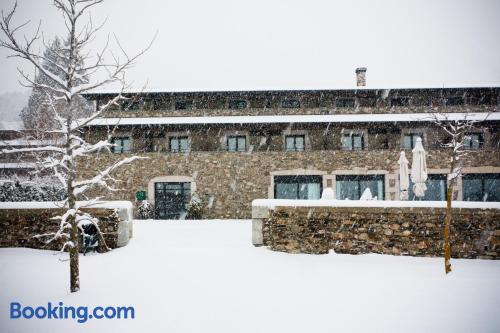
(16, 191)
(146, 210)
(195, 208)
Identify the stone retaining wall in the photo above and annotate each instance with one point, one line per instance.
(475, 233)
(19, 226)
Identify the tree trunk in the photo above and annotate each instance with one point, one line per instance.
(73, 258)
(447, 222)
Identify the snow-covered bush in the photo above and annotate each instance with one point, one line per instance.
(146, 210)
(195, 208)
(31, 191)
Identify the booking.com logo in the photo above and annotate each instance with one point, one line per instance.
(61, 311)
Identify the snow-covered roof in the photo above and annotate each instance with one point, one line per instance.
(290, 89)
(26, 142)
(11, 125)
(20, 165)
(271, 203)
(336, 118)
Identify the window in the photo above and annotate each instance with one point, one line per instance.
(481, 187)
(400, 101)
(352, 141)
(436, 188)
(294, 143)
(122, 145)
(184, 105)
(171, 199)
(367, 102)
(237, 104)
(131, 105)
(345, 103)
(236, 143)
(290, 103)
(410, 140)
(453, 101)
(352, 187)
(179, 144)
(298, 187)
(473, 141)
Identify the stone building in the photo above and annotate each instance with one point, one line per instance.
(231, 147)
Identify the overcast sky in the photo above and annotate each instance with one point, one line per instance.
(272, 44)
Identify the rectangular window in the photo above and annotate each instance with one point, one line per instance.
(367, 102)
(184, 105)
(473, 140)
(298, 187)
(237, 143)
(453, 101)
(353, 187)
(481, 187)
(353, 141)
(290, 103)
(410, 140)
(179, 144)
(131, 105)
(294, 143)
(400, 101)
(237, 104)
(345, 103)
(122, 145)
(436, 188)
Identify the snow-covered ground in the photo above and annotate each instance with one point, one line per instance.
(207, 277)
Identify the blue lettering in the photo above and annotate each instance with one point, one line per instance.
(15, 312)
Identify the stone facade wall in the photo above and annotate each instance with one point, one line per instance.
(19, 226)
(475, 233)
(311, 102)
(228, 182)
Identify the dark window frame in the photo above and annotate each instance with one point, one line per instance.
(480, 141)
(345, 103)
(351, 136)
(236, 138)
(295, 136)
(454, 101)
(184, 105)
(299, 180)
(179, 149)
(412, 135)
(237, 104)
(482, 177)
(359, 178)
(290, 103)
(400, 101)
(133, 105)
(121, 150)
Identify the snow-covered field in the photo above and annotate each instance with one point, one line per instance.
(207, 277)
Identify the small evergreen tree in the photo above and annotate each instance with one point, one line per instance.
(195, 208)
(146, 210)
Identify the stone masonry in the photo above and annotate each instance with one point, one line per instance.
(475, 233)
(18, 227)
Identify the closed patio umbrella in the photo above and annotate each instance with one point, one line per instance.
(419, 169)
(404, 177)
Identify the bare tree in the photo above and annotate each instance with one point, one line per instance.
(74, 77)
(459, 141)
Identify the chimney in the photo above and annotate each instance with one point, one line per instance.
(361, 76)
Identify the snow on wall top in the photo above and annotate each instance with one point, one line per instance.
(336, 118)
(124, 208)
(271, 203)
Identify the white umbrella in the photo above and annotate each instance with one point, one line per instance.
(404, 180)
(419, 169)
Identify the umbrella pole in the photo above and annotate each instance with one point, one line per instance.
(447, 222)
